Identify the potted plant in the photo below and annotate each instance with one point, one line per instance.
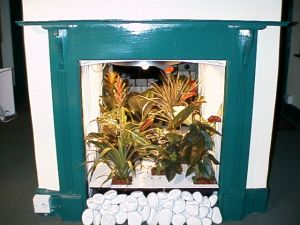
(168, 105)
(120, 144)
(196, 150)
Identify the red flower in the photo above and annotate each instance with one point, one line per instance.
(214, 119)
(169, 69)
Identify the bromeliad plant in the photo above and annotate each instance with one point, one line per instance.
(171, 105)
(120, 143)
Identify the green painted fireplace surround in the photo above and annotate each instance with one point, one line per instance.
(233, 41)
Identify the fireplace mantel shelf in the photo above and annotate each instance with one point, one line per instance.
(241, 24)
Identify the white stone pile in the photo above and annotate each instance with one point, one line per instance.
(176, 207)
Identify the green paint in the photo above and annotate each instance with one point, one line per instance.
(71, 41)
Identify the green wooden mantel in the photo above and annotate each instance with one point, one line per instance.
(233, 41)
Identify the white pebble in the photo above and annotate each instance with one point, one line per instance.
(179, 206)
(108, 220)
(197, 196)
(142, 200)
(192, 208)
(152, 200)
(137, 194)
(206, 221)
(203, 211)
(123, 208)
(112, 210)
(110, 194)
(134, 218)
(165, 217)
(192, 220)
(98, 198)
(121, 217)
(209, 215)
(178, 219)
(131, 204)
(205, 202)
(119, 199)
(91, 204)
(97, 218)
(175, 194)
(213, 200)
(153, 218)
(87, 217)
(187, 196)
(168, 204)
(102, 211)
(216, 215)
(146, 213)
(105, 205)
(162, 195)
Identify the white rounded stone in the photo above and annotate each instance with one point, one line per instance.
(98, 198)
(162, 195)
(146, 213)
(192, 208)
(216, 215)
(108, 220)
(121, 217)
(165, 217)
(105, 205)
(102, 211)
(97, 218)
(187, 196)
(134, 218)
(192, 220)
(168, 204)
(174, 194)
(209, 215)
(203, 211)
(153, 218)
(137, 194)
(152, 200)
(179, 206)
(142, 200)
(159, 207)
(123, 208)
(91, 204)
(186, 215)
(197, 196)
(213, 200)
(178, 219)
(87, 217)
(206, 221)
(205, 202)
(139, 209)
(131, 203)
(110, 194)
(119, 199)
(112, 210)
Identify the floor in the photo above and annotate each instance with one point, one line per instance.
(18, 178)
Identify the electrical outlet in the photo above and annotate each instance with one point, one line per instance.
(41, 203)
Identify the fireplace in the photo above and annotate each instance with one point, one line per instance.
(232, 41)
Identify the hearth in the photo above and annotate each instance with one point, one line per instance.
(233, 42)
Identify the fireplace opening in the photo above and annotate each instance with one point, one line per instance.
(190, 137)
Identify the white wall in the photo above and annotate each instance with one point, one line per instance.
(39, 74)
(294, 62)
